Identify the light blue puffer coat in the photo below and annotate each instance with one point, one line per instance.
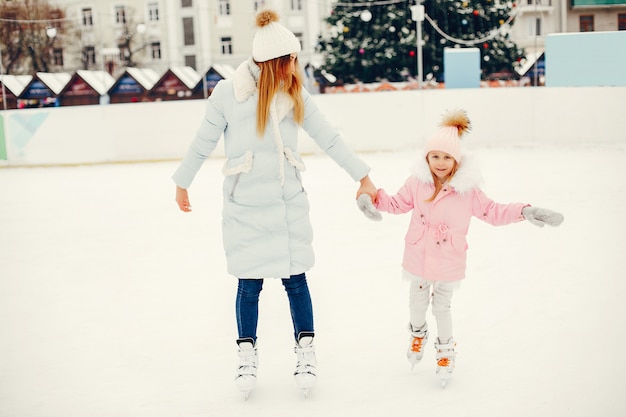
(266, 228)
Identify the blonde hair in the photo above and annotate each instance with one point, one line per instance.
(437, 182)
(276, 76)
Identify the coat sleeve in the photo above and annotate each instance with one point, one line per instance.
(206, 139)
(401, 202)
(329, 140)
(496, 214)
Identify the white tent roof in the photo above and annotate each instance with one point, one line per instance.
(15, 83)
(145, 76)
(101, 81)
(225, 71)
(55, 81)
(187, 75)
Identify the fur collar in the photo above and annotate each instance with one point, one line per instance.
(245, 86)
(467, 177)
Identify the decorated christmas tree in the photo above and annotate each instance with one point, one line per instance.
(375, 40)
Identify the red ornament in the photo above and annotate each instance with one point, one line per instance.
(411, 53)
(476, 12)
(485, 45)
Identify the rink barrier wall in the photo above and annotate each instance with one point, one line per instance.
(374, 121)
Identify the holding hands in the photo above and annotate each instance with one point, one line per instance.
(367, 207)
(365, 197)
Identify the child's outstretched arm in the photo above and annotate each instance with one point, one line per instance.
(540, 216)
(401, 202)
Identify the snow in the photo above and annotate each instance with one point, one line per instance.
(101, 81)
(114, 303)
(55, 81)
(15, 83)
(147, 77)
(187, 75)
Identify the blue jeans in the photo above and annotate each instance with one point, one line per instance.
(247, 305)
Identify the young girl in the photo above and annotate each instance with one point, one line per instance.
(266, 228)
(443, 195)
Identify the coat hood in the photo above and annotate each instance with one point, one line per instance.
(245, 85)
(467, 177)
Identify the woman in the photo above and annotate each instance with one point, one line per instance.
(266, 228)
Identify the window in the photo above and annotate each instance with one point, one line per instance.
(120, 15)
(621, 21)
(57, 57)
(224, 7)
(586, 23)
(124, 53)
(534, 26)
(227, 45)
(89, 56)
(155, 50)
(87, 16)
(190, 61)
(538, 26)
(186, 3)
(296, 4)
(153, 11)
(298, 36)
(259, 4)
(188, 35)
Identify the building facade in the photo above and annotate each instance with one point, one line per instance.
(110, 35)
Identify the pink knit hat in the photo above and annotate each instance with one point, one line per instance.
(448, 138)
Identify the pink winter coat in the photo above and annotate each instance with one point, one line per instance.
(435, 244)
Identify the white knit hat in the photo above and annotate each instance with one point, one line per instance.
(448, 138)
(272, 40)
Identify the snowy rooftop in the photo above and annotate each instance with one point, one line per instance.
(145, 76)
(101, 81)
(187, 75)
(15, 83)
(55, 81)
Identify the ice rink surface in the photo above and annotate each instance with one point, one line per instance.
(114, 303)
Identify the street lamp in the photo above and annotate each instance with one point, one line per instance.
(417, 14)
(51, 32)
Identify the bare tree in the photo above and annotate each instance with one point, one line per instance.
(28, 29)
(130, 41)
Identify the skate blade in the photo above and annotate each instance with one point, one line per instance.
(246, 395)
(443, 379)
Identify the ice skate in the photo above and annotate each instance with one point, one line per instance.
(417, 342)
(305, 374)
(248, 362)
(445, 360)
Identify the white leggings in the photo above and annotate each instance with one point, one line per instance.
(419, 298)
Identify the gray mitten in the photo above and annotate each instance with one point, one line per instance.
(540, 216)
(367, 207)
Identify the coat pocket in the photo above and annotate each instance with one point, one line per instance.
(415, 233)
(238, 165)
(294, 159)
(233, 168)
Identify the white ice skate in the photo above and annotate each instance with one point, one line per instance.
(417, 342)
(445, 360)
(248, 362)
(305, 374)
